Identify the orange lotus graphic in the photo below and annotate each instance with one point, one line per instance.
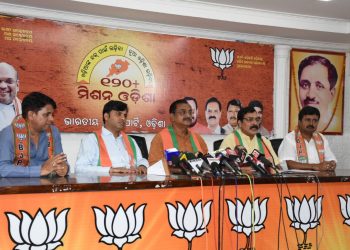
(118, 67)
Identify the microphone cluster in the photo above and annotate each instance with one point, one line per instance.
(219, 163)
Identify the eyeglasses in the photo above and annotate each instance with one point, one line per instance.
(250, 119)
(182, 112)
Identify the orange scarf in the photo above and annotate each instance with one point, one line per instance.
(104, 159)
(169, 140)
(21, 138)
(301, 147)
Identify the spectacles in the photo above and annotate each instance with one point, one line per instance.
(182, 112)
(250, 119)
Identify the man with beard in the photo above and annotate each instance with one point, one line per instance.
(177, 135)
(195, 125)
(233, 107)
(304, 148)
(10, 105)
(247, 135)
(110, 150)
(213, 115)
(31, 145)
(317, 84)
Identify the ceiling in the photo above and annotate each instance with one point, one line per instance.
(292, 19)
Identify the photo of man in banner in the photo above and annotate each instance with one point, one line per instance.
(317, 81)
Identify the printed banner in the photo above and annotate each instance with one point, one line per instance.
(301, 216)
(82, 67)
(317, 79)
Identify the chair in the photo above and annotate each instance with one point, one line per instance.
(275, 143)
(141, 142)
(216, 144)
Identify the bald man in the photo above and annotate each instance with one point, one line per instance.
(10, 105)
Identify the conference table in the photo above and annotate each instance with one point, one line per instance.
(309, 210)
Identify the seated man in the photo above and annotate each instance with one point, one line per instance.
(259, 108)
(110, 150)
(304, 148)
(247, 135)
(31, 145)
(177, 135)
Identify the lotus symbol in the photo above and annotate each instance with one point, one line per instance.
(190, 221)
(304, 215)
(345, 208)
(222, 59)
(40, 232)
(119, 227)
(247, 218)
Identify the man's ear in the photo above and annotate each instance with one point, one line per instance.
(30, 115)
(239, 123)
(333, 91)
(105, 116)
(172, 117)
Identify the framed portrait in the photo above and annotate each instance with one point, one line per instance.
(317, 79)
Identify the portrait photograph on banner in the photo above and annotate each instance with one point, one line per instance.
(317, 80)
(82, 67)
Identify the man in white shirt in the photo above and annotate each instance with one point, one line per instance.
(110, 150)
(10, 106)
(304, 148)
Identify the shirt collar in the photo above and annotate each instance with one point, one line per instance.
(106, 132)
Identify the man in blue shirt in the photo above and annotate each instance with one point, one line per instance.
(31, 145)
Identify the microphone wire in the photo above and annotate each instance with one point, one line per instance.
(202, 206)
(251, 185)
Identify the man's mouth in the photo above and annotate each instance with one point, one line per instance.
(308, 101)
(254, 127)
(212, 117)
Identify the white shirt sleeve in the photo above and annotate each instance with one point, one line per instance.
(139, 160)
(287, 150)
(88, 157)
(328, 154)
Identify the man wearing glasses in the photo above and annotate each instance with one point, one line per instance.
(177, 135)
(10, 106)
(247, 135)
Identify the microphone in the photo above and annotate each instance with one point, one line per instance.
(234, 161)
(273, 160)
(255, 163)
(215, 168)
(241, 152)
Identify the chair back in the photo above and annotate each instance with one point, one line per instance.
(141, 142)
(216, 144)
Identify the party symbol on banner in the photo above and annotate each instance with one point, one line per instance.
(304, 215)
(119, 227)
(222, 59)
(190, 221)
(345, 208)
(40, 232)
(119, 66)
(248, 217)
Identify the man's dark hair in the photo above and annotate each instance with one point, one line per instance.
(188, 98)
(35, 101)
(308, 110)
(256, 103)
(234, 102)
(243, 111)
(213, 99)
(114, 105)
(311, 60)
(173, 106)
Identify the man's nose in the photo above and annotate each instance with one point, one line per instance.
(312, 91)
